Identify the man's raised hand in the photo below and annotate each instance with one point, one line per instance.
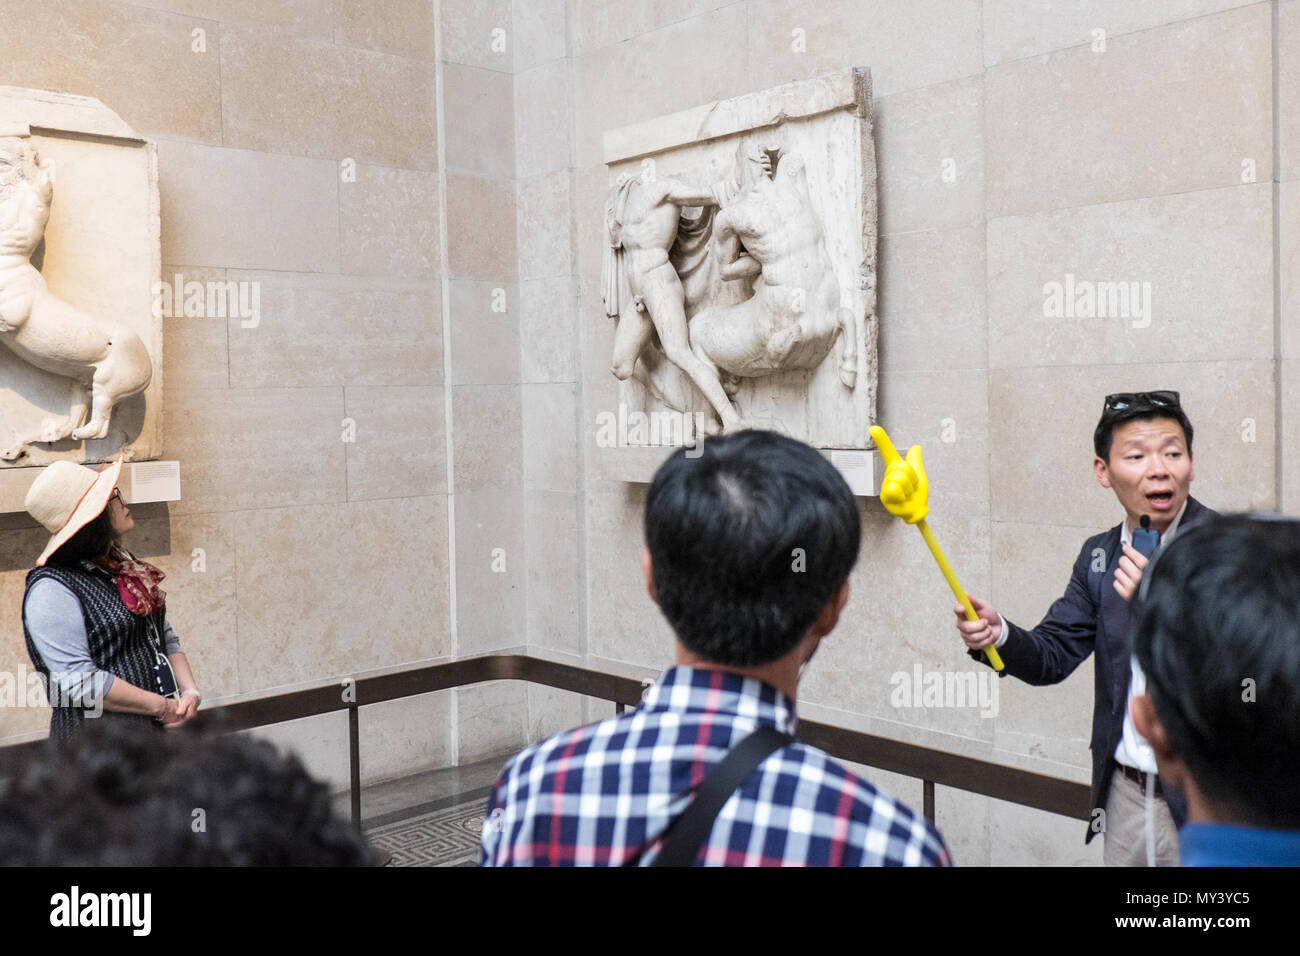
(982, 633)
(1128, 575)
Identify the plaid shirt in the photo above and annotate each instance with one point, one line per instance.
(602, 794)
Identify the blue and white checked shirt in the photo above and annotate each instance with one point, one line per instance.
(602, 794)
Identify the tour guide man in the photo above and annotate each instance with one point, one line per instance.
(1143, 445)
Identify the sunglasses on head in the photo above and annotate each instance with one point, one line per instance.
(1127, 401)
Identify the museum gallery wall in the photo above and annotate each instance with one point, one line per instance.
(399, 458)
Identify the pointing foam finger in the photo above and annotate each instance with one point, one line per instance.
(887, 449)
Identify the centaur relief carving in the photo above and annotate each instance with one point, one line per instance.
(105, 362)
(739, 262)
(80, 264)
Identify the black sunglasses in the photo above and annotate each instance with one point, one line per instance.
(1127, 401)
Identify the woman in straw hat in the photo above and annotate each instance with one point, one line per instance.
(94, 616)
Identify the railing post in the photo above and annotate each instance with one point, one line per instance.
(354, 762)
(927, 798)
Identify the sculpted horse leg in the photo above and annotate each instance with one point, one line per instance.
(125, 371)
(57, 429)
(781, 345)
(54, 429)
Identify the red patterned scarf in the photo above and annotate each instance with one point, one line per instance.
(137, 581)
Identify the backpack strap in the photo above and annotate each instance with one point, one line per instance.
(687, 833)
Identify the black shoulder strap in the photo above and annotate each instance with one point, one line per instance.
(688, 832)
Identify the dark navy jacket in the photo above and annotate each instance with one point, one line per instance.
(1090, 616)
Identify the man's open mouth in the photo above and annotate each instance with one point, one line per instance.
(1160, 498)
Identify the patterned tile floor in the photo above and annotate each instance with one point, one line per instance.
(433, 835)
(428, 819)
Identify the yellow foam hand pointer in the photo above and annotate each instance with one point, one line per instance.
(905, 493)
(904, 490)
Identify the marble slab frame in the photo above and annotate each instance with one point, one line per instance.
(102, 252)
(830, 120)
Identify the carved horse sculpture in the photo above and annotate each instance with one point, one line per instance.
(768, 233)
(756, 226)
(106, 361)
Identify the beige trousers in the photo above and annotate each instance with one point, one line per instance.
(1126, 826)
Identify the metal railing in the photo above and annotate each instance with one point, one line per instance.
(932, 767)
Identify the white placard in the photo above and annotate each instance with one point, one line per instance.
(152, 481)
(858, 468)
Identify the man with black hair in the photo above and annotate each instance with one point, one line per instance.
(748, 552)
(1217, 633)
(1143, 446)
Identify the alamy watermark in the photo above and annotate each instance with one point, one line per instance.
(74, 908)
(22, 688)
(945, 689)
(1090, 299)
(638, 429)
(214, 299)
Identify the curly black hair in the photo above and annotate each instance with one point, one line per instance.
(119, 796)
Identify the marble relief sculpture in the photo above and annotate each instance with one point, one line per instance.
(105, 361)
(769, 235)
(739, 262)
(644, 291)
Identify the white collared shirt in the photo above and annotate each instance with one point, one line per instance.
(1133, 750)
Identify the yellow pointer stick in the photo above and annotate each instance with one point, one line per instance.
(905, 492)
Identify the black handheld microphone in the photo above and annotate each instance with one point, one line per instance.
(1145, 541)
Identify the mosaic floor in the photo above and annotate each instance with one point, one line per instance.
(442, 833)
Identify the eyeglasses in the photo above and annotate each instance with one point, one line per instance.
(1126, 401)
(116, 496)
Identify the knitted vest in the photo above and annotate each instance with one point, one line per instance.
(120, 643)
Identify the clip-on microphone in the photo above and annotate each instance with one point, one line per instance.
(1145, 541)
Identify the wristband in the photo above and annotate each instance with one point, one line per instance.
(192, 693)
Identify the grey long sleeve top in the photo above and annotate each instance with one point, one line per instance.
(58, 628)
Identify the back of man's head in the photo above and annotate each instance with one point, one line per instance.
(122, 795)
(748, 542)
(1218, 637)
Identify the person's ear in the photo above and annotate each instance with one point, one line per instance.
(1102, 472)
(1143, 711)
(647, 569)
(830, 613)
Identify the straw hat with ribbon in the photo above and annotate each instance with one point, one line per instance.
(67, 497)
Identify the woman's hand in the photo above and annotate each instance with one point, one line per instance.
(186, 708)
(168, 715)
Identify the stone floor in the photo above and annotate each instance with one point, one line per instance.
(428, 819)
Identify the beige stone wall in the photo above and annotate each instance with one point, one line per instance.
(1151, 160)
(479, 183)
(321, 557)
